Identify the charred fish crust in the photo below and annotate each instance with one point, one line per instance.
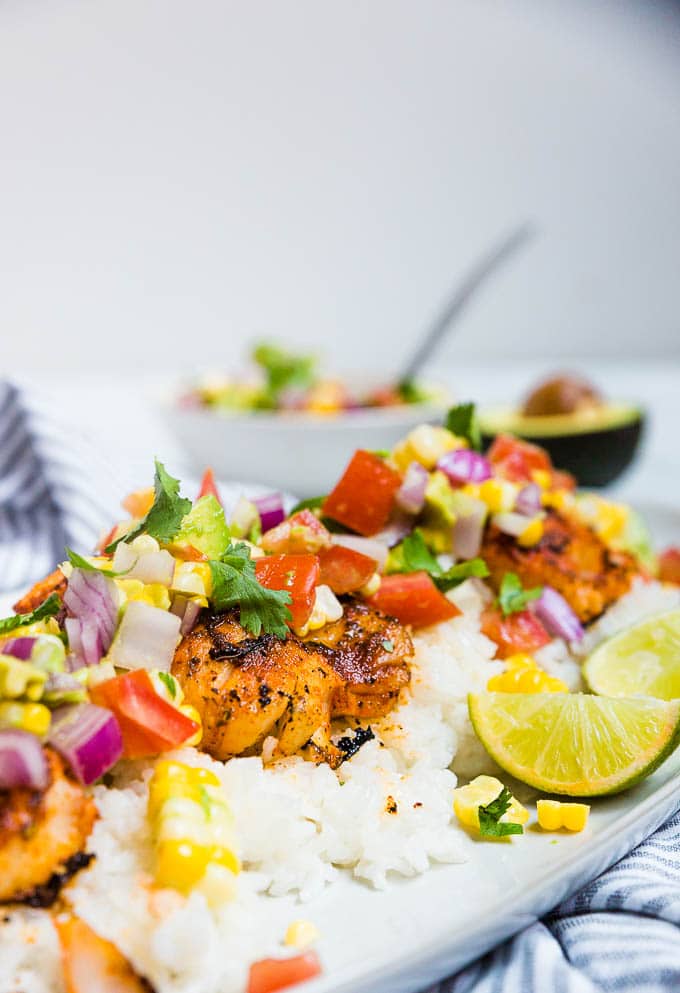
(46, 895)
(349, 745)
(264, 695)
(224, 650)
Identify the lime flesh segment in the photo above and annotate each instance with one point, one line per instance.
(644, 660)
(575, 744)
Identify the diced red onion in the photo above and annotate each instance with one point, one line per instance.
(91, 600)
(146, 638)
(528, 500)
(462, 465)
(271, 510)
(395, 531)
(366, 546)
(22, 761)
(88, 738)
(124, 557)
(187, 610)
(410, 496)
(18, 648)
(469, 529)
(61, 682)
(557, 616)
(511, 523)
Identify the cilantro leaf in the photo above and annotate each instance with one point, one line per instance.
(78, 562)
(282, 370)
(462, 421)
(48, 608)
(459, 572)
(164, 519)
(169, 683)
(490, 824)
(311, 503)
(413, 555)
(512, 598)
(235, 585)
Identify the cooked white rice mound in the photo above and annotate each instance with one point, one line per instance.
(386, 811)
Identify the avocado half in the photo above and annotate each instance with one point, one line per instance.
(597, 445)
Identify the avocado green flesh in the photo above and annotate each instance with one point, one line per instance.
(498, 420)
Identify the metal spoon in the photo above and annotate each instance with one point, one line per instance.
(461, 296)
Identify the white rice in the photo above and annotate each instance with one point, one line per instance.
(298, 825)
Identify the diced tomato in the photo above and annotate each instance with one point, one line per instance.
(303, 532)
(297, 575)
(148, 723)
(363, 498)
(345, 570)
(208, 487)
(138, 503)
(515, 460)
(269, 975)
(669, 565)
(520, 632)
(413, 599)
(106, 540)
(385, 396)
(92, 964)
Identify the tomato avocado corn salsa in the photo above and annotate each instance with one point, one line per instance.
(278, 635)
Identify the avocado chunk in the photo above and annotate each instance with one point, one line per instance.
(205, 528)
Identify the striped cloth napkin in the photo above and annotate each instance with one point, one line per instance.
(621, 932)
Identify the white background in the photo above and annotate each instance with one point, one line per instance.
(176, 177)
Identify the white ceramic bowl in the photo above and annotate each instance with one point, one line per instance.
(301, 453)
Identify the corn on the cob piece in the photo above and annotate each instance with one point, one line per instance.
(192, 829)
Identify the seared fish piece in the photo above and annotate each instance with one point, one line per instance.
(54, 583)
(41, 834)
(570, 557)
(371, 653)
(246, 689)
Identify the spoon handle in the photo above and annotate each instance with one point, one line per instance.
(461, 296)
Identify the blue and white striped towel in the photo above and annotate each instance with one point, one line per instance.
(620, 933)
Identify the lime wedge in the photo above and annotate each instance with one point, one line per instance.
(642, 661)
(575, 744)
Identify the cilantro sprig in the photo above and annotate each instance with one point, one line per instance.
(234, 584)
(490, 824)
(512, 597)
(462, 421)
(48, 608)
(282, 370)
(413, 555)
(164, 519)
(78, 562)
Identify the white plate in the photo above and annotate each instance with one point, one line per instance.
(417, 931)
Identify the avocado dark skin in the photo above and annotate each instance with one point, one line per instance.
(583, 433)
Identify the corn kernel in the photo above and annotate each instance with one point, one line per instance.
(218, 885)
(301, 934)
(522, 675)
(554, 815)
(180, 863)
(468, 799)
(193, 715)
(425, 444)
(532, 533)
(499, 495)
(372, 586)
(326, 397)
(33, 717)
(226, 858)
(542, 478)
